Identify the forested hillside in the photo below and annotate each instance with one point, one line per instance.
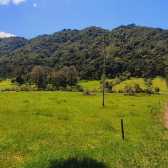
(142, 51)
(12, 43)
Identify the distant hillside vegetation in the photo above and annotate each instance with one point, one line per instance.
(142, 51)
(12, 43)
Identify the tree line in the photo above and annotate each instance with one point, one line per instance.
(42, 76)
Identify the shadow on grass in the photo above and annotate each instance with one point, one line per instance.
(77, 163)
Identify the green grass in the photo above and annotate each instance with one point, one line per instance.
(91, 85)
(62, 129)
(96, 86)
(161, 83)
(131, 82)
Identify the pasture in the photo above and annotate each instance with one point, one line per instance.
(95, 86)
(68, 129)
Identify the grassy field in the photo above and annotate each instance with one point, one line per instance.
(90, 85)
(131, 82)
(70, 130)
(157, 82)
(96, 86)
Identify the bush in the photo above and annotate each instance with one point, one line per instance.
(61, 88)
(137, 88)
(86, 93)
(122, 78)
(128, 75)
(128, 89)
(79, 88)
(13, 80)
(49, 87)
(95, 90)
(13, 88)
(55, 88)
(120, 91)
(68, 88)
(157, 89)
(8, 89)
(148, 82)
(24, 88)
(149, 91)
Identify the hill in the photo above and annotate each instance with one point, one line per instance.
(142, 51)
(7, 45)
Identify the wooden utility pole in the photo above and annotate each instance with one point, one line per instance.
(103, 68)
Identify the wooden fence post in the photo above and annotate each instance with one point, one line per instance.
(122, 128)
(151, 108)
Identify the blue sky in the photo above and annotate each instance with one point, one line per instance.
(30, 18)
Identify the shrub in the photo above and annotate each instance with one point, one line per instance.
(8, 89)
(109, 86)
(95, 90)
(137, 88)
(122, 78)
(55, 88)
(49, 87)
(148, 82)
(24, 88)
(61, 88)
(128, 89)
(68, 88)
(79, 88)
(13, 88)
(2, 90)
(149, 91)
(157, 89)
(128, 75)
(120, 91)
(13, 80)
(86, 93)
(32, 89)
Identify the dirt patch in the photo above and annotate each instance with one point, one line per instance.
(166, 115)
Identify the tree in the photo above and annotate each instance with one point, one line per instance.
(19, 80)
(38, 76)
(58, 79)
(70, 75)
(65, 76)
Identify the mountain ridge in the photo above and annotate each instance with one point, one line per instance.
(142, 51)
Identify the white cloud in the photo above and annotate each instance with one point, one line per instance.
(16, 2)
(34, 4)
(4, 2)
(3, 34)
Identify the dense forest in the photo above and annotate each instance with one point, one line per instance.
(140, 51)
